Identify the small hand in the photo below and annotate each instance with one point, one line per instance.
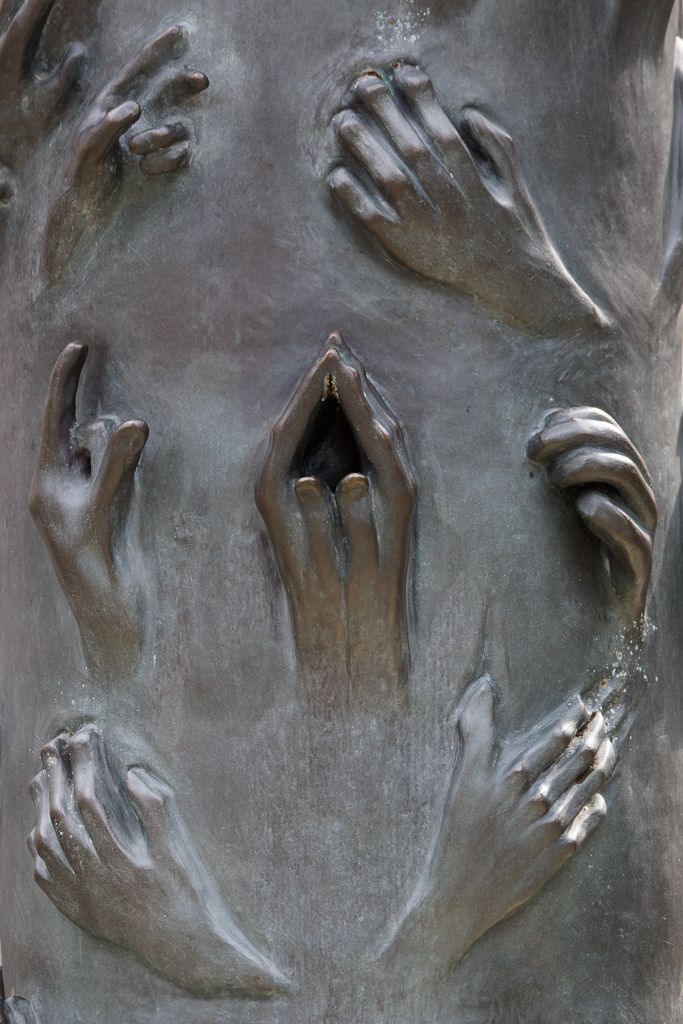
(337, 494)
(113, 857)
(451, 204)
(78, 511)
(30, 101)
(512, 818)
(100, 154)
(587, 454)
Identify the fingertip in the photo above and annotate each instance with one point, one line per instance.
(353, 487)
(478, 700)
(131, 436)
(197, 81)
(124, 115)
(598, 805)
(309, 490)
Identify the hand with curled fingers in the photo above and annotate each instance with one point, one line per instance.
(80, 508)
(112, 854)
(101, 155)
(587, 455)
(31, 101)
(337, 494)
(449, 201)
(514, 814)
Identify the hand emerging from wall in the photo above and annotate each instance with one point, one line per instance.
(80, 512)
(100, 154)
(512, 817)
(589, 457)
(337, 494)
(113, 856)
(449, 202)
(31, 101)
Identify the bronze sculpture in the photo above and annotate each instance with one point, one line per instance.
(339, 705)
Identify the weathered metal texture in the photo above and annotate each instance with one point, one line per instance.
(377, 720)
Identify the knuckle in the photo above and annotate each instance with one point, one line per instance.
(57, 815)
(370, 86)
(569, 844)
(43, 848)
(36, 502)
(396, 182)
(553, 825)
(415, 79)
(86, 801)
(539, 803)
(519, 773)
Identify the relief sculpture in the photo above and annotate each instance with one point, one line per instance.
(101, 158)
(79, 499)
(113, 855)
(32, 100)
(389, 794)
(337, 494)
(529, 805)
(589, 457)
(449, 201)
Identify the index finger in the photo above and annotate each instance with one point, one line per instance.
(60, 408)
(289, 433)
(149, 59)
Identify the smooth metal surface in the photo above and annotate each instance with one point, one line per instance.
(380, 723)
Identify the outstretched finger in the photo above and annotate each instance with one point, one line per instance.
(59, 416)
(99, 139)
(377, 434)
(474, 718)
(149, 59)
(289, 433)
(119, 462)
(179, 88)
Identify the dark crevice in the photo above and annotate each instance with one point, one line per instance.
(328, 450)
